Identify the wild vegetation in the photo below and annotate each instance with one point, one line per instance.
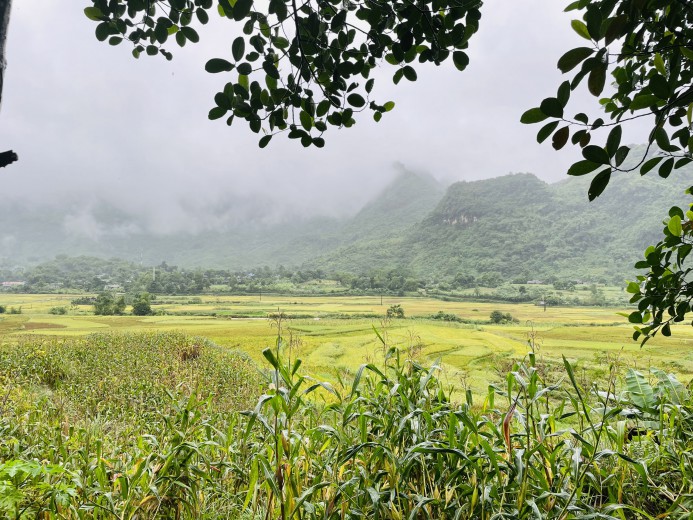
(84, 437)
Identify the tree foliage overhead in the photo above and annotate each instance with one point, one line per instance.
(644, 48)
(299, 66)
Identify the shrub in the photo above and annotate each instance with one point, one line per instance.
(500, 317)
(58, 310)
(395, 311)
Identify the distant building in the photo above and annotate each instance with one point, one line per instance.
(534, 282)
(113, 287)
(13, 284)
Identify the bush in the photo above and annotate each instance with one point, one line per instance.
(58, 310)
(499, 317)
(395, 311)
(2, 309)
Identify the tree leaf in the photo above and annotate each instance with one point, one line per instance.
(270, 69)
(599, 183)
(94, 13)
(546, 131)
(241, 9)
(552, 107)
(533, 115)
(306, 120)
(573, 58)
(674, 226)
(409, 73)
(583, 167)
(597, 79)
(238, 48)
(460, 59)
(560, 138)
(216, 65)
(356, 100)
(595, 154)
(614, 140)
(580, 28)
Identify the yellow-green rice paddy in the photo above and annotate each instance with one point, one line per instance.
(472, 352)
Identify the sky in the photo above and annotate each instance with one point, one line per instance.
(91, 124)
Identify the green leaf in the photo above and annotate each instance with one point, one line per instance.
(161, 33)
(639, 390)
(238, 48)
(270, 69)
(560, 138)
(597, 79)
(583, 167)
(649, 164)
(409, 73)
(241, 9)
(265, 141)
(595, 154)
(659, 86)
(666, 167)
(460, 59)
(202, 15)
(306, 120)
(217, 113)
(641, 101)
(599, 183)
(580, 28)
(356, 100)
(216, 65)
(533, 115)
(573, 58)
(633, 288)
(190, 34)
(552, 107)
(546, 131)
(102, 31)
(674, 226)
(563, 94)
(94, 13)
(389, 106)
(614, 140)
(244, 69)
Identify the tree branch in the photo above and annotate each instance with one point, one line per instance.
(7, 158)
(5, 6)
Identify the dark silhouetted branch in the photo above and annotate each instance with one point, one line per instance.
(7, 158)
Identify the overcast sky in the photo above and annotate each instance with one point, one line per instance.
(89, 121)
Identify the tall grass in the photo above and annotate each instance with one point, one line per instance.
(388, 443)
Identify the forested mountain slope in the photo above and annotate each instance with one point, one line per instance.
(515, 226)
(523, 228)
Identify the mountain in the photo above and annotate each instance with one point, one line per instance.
(515, 227)
(35, 234)
(522, 228)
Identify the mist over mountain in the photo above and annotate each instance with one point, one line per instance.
(515, 226)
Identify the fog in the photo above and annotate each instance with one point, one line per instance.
(96, 128)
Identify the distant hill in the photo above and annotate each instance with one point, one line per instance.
(522, 228)
(36, 234)
(516, 226)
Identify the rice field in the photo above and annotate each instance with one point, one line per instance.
(335, 334)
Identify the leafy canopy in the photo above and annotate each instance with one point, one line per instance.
(644, 48)
(299, 66)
